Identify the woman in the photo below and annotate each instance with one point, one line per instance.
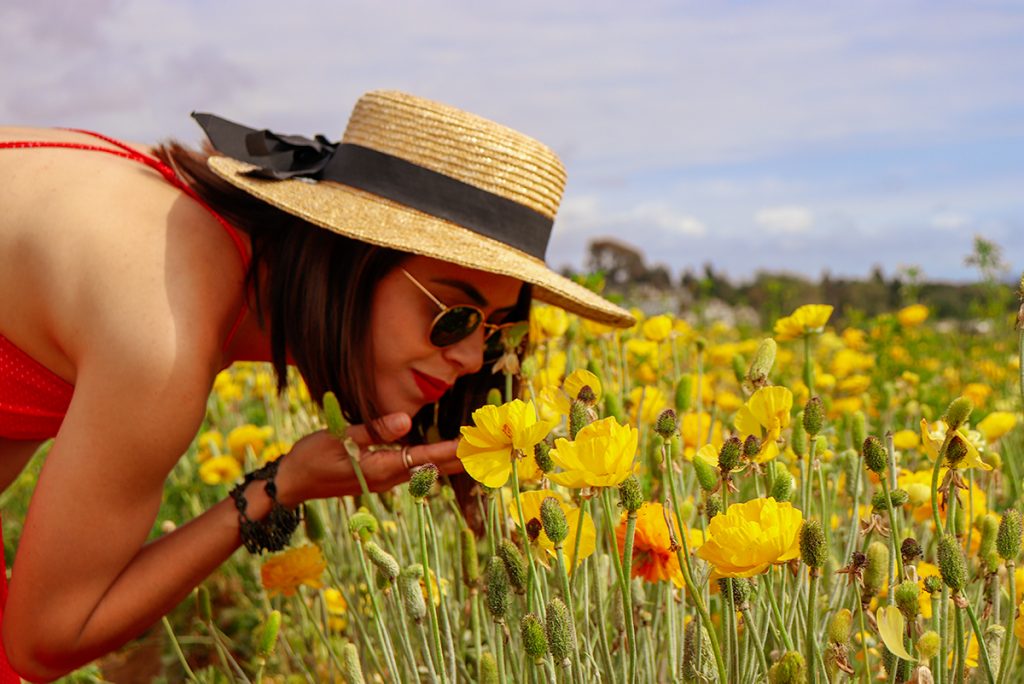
(378, 266)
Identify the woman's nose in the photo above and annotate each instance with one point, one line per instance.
(468, 353)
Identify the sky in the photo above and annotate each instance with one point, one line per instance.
(799, 137)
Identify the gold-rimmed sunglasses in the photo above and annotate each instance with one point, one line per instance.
(453, 324)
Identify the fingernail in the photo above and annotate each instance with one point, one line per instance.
(395, 422)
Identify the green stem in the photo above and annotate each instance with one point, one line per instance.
(564, 577)
(435, 642)
(958, 634)
(1004, 661)
(982, 647)
(894, 532)
(177, 650)
(530, 572)
(811, 635)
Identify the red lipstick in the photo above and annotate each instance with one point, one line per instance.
(431, 387)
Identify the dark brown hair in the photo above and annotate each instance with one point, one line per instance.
(317, 297)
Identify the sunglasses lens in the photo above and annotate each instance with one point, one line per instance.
(454, 325)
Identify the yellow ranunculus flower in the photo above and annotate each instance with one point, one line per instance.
(996, 424)
(337, 608)
(209, 443)
(912, 316)
(531, 501)
(487, 446)
(547, 322)
(977, 392)
(601, 455)
(657, 328)
(931, 441)
(579, 379)
(646, 404)
(640, 352)
(854, 384)
(764, 415)
(750, 537)
(218, 469)
(284, 572)
(807, 319)
(905, 440)
(248, 435)
(697, 431)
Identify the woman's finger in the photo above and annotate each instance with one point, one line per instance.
(390, 428)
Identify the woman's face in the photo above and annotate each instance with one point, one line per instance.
(409, 371)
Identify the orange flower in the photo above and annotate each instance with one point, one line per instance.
(283, 573)
(653, 557)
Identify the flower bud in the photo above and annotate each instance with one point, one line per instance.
(739, 368)
(707, 476)
(470, 561)
(488, 669)
(798, 437)
(839, 626)
(412, 595)
(351, 670)
(362, 524)
(586, 396)
(858, 428)
(729, 455)
(906, 599)
(701, 344)
(496, 575)
(993, 638)
(613, 407)
(579, 417)
(875, 457)
(494, 397)
(515, 565)
(988, 524)
(761, 366)
(812, 544)
(694, 655)
(336, 423)
(928, 644)
(384, 561)
(560, 632)
(312, 523)
(782, 484)
(956, 451)
(791, 669)
(751, 447)
(631, 497)
(1008, 539)
(876, 573)
(684, 392)
(952, 564)
(533, 529)
(268, 635)
(958, 412)
(814, 416)
(552, 517)
(542, 456)
(932, 584)
(667, 424)
(897, 497)
(713, 505)
(910, 549)
(535, 642)
(422, 479)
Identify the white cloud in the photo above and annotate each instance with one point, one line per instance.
(785, 220)
(949, 220)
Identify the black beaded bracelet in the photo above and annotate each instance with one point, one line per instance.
(272, 532)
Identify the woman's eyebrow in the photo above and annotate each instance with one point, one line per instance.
(465, 288)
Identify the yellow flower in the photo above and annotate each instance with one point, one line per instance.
(855, 339)
(486, 449)
(218, 469)
(912, 316)
(657, 328)
(854, 384)
(600, 456)
(764, 415)
(337, 608)
(972, 654)
(596, 329)
(579, 379)
(274, 451)
(435, 590)
(932, 440)
(1018, 625)
(977, 392)
(807, 319)
(646, 404)
(642, 351)
(531, 509)
(695, 430)
(284, 572)
(890, 627)
(248, 435)
(750, 537)
(209, 443)
(997, 424)
(547, 322)
(905, 439)
(226, 388)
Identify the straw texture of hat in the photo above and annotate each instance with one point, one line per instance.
(457, 145)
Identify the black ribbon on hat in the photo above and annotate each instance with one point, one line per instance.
(283, 157)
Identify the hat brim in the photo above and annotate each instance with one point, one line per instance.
(379, 221)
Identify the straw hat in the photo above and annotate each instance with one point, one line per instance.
(420, 177)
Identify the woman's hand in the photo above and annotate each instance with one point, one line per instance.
(319, 465)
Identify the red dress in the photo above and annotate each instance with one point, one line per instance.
(34, 399)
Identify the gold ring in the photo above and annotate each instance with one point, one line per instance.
(406, 458)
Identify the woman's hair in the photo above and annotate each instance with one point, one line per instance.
(316, 300)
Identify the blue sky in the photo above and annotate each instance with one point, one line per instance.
(781, 136)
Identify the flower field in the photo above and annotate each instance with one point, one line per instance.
(671, 503)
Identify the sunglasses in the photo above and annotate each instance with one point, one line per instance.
(455, 323)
